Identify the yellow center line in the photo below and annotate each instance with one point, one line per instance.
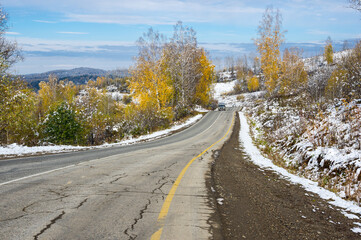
(165, 208)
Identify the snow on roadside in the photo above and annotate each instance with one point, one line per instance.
(19, 150)
(14, 150)
(154, 135)
(256, 157)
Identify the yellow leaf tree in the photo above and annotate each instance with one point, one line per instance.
(328, 54)
(150, 85)
(203, 89)
(270, 38)
(293, 76)
(53, 93)
(253, 83)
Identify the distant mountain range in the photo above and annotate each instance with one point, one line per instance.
(77, 75)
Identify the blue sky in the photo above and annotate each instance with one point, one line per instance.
(63, 34)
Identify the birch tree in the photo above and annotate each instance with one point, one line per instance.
(9, 51)
(270, 38)
(149, 84)
(182, 57)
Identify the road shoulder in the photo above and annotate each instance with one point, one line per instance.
(252, 203)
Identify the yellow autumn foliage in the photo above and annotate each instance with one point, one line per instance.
(203, 88)
(336, 84)
(328, 54)
(150, 86)
(268, 45)
(52, 93)
(293, 76)
(253, 83)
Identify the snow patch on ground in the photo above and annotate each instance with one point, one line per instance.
(256, 157)
(200, 109)
(221, 88)
(155, 135)
(14, 150)
(356, 230)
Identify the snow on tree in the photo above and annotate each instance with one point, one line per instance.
(61, 126)
(17, 106)
(17, 103)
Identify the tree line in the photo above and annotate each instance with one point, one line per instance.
(167, 81)
(285, 75)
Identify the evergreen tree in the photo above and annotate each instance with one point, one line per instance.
(61, 126)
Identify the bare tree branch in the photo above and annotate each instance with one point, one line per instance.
(355, 4)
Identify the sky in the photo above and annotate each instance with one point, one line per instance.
(65, 34)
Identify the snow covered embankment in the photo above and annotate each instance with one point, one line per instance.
(290, 122)
(15, 150)
(323, 146)
(350, 208)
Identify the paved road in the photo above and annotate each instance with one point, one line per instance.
(115, 193)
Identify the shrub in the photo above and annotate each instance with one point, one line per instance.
(61, 126)
(336, 84)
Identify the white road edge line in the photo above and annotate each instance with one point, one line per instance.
(50, 171)
(36, 175)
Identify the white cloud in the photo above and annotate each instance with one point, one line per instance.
(118, 19)
(12, 33)
(224, 47)
(44, 45)
(74, 33)
(144, 11)
(44, 21)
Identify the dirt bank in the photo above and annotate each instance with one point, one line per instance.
(258, 204)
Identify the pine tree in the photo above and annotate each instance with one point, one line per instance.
(62, 126)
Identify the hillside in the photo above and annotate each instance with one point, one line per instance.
(77, 75)
(317, 138)
(64, 73)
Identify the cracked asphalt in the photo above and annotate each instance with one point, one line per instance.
(113, 193)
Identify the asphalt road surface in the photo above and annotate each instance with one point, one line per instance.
(149, 190)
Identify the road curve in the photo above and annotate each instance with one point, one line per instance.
(115, 193)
